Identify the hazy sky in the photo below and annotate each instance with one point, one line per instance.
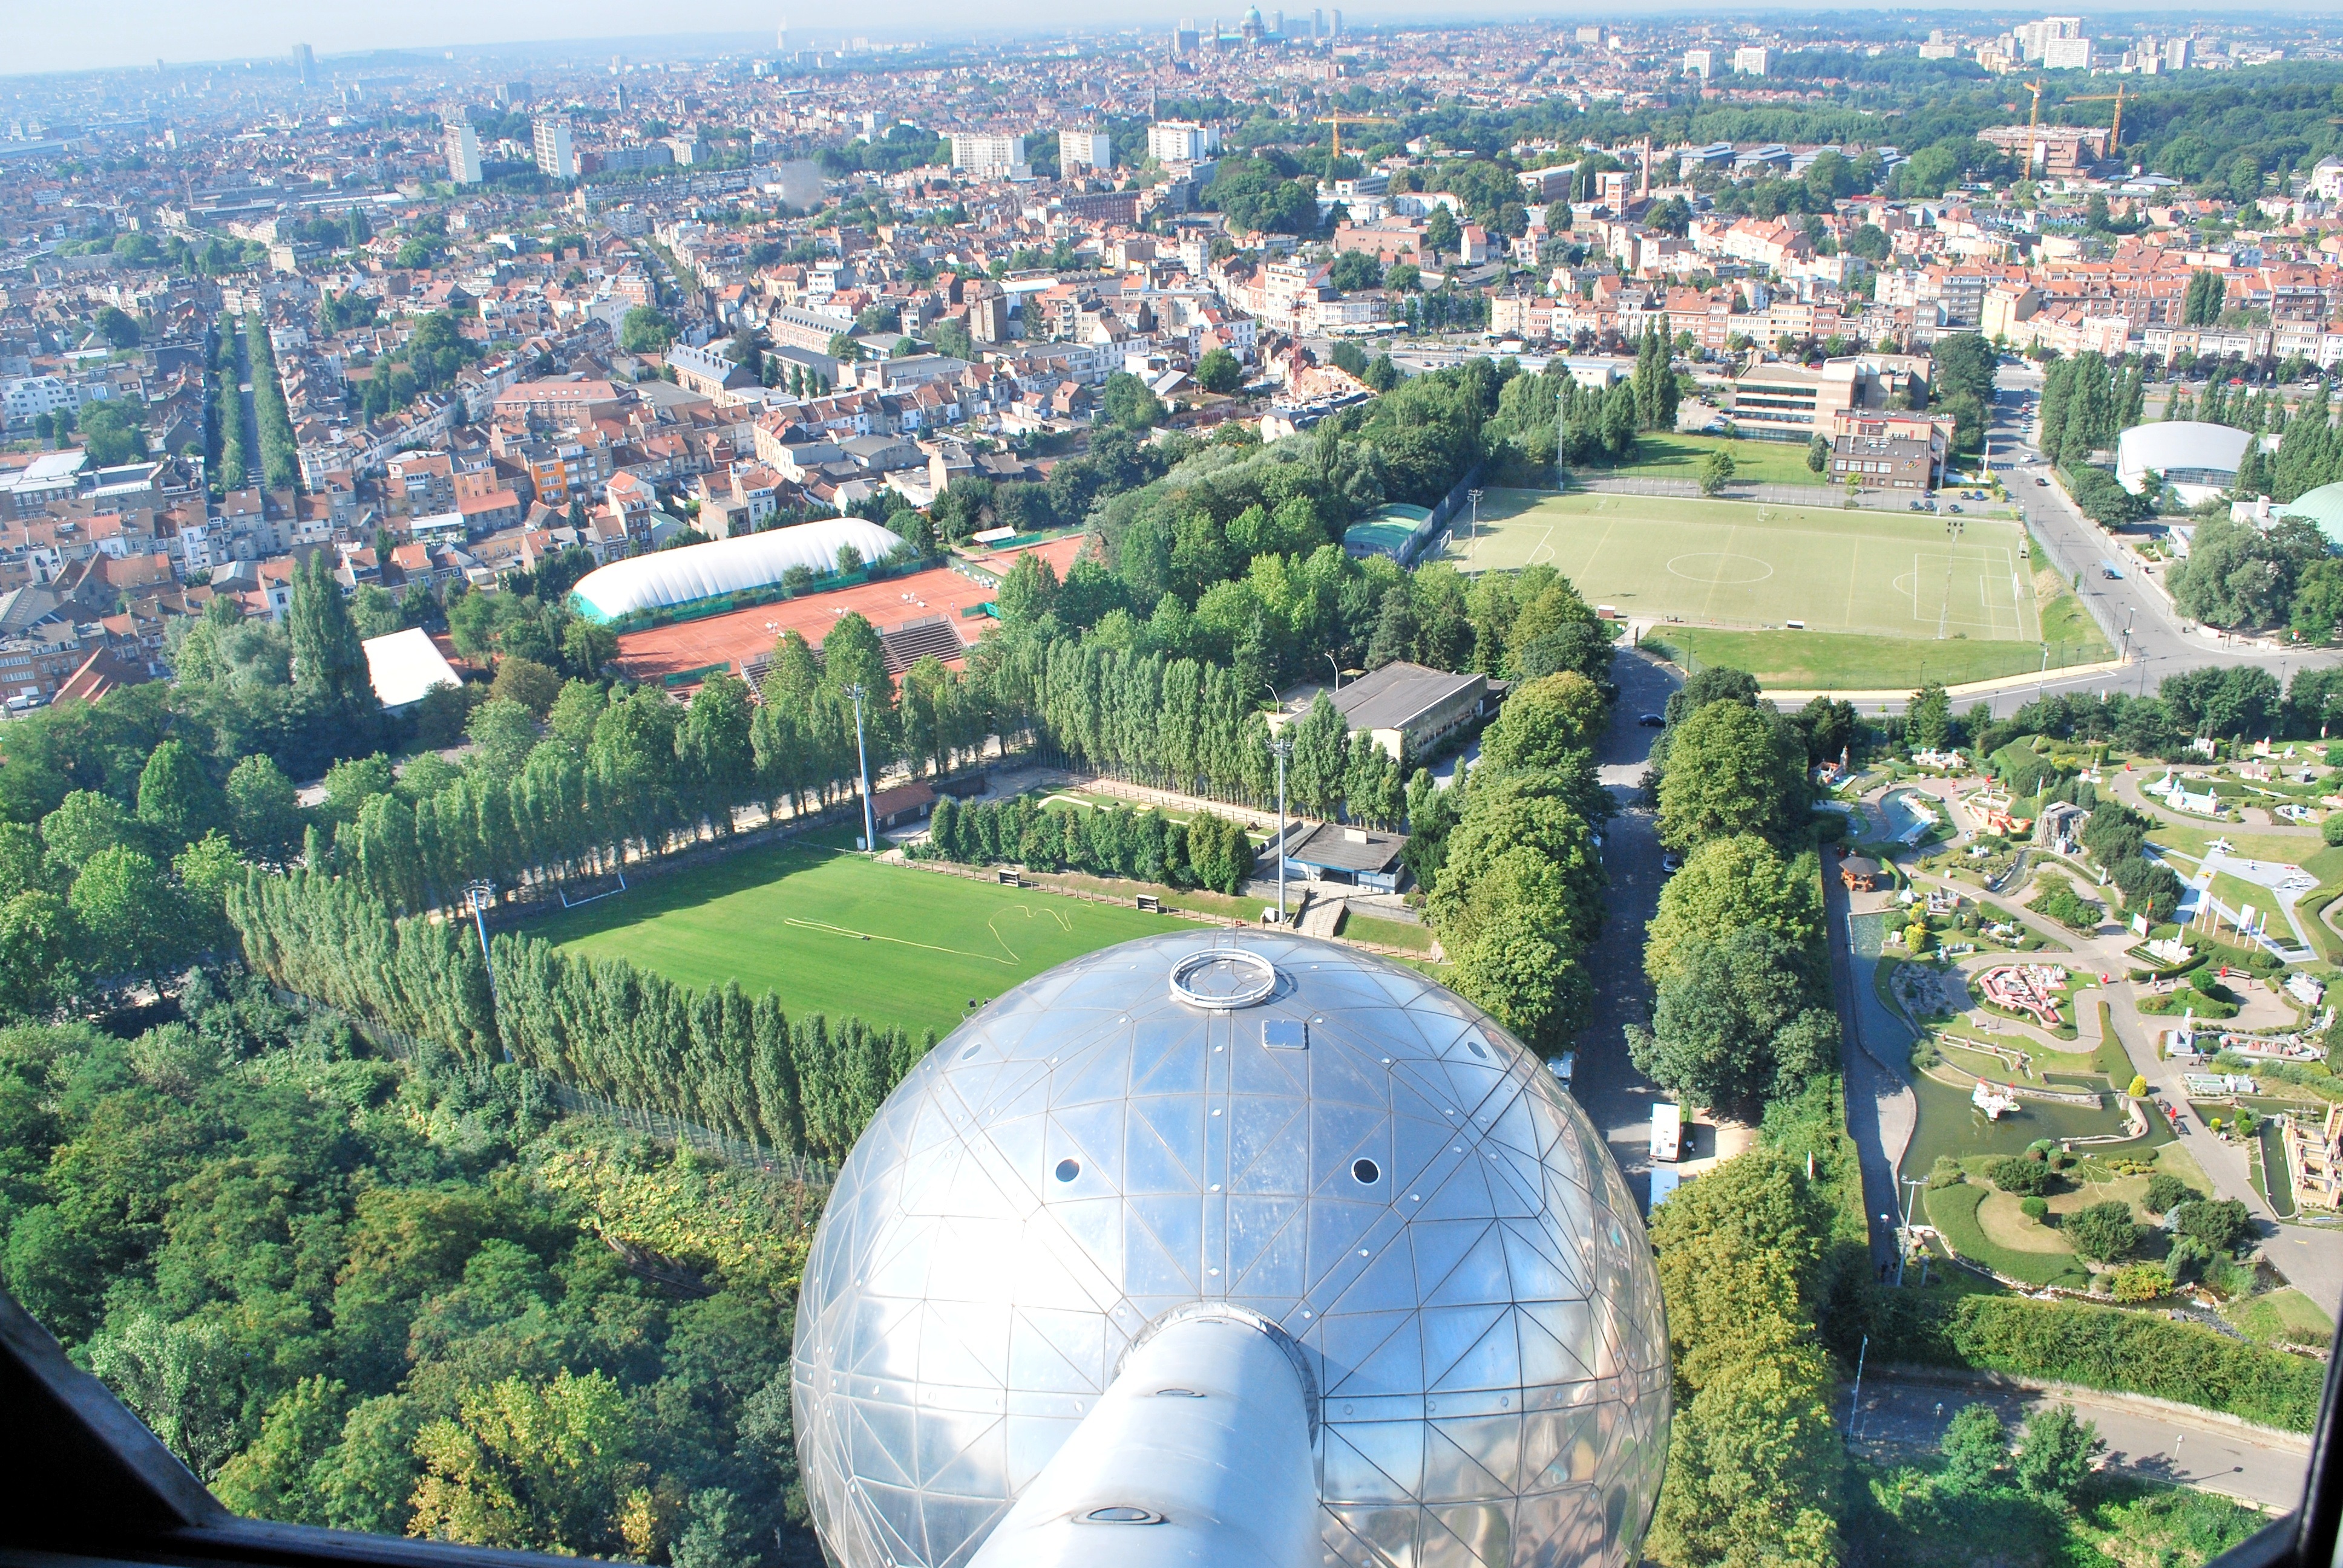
(64, 37)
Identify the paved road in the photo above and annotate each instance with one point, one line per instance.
(2145, 628)
(251, 408)
(1615, 1095)
(2145, 1441)
(1875, 1055)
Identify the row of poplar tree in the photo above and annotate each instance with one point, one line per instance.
(2086, 404)
(717, 1059)
(1206, 850)
(620, 774)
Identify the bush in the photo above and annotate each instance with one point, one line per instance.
(1945, 1172)
(2137, 1090)
(2037, 1210)
(2219, 1223)
(2165, 1194)
(2099, 1347)
(2331, 829)
(2017, 1173)
(2103, 1233)
(2138, 1283)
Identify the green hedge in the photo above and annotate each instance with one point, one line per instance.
(2099, 1347)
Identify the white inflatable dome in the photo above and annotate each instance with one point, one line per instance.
(665, 579)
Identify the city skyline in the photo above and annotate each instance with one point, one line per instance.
(52, 42)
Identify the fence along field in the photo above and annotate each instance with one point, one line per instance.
(832, 932)
(1738, 563)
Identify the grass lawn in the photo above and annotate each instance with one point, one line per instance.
(1848, 661)
(1386, 933)
(2174, 1160)
(2282, 1317)
(1751, 565)
(2192, 840)
(1681, 456)
(1126, 891)
(1954, 1212)
(837, 934)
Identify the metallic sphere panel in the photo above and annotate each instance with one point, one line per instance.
(1362, 1157)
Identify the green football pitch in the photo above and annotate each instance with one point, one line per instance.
(1744, 564)
(832, 932)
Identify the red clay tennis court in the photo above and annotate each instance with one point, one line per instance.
(741, 637)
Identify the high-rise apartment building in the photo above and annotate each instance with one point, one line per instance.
(1701, 63)
(2035, 37)
(463, 145)
(1181, 141)
(1750, 60)
(304, 64)
(2066, 55)
(556, 156)
(985, 155)
(1084, 147)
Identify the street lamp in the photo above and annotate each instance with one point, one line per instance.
(1473, 528)
(862, 755)
(1903, 1248)
(1281, 747)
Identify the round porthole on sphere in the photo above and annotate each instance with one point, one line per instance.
(1365, 1172)
(1069, 1168)
(1176, 1393)
(1122, 1513)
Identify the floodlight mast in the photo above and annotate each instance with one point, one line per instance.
(862, 755)
(1281, 748)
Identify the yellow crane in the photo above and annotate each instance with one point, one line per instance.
(2115, 136)
(1338, 121)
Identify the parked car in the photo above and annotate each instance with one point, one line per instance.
(2044, 483)
(1652, 722)
(1671, 862)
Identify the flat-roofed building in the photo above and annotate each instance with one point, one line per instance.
(1344, 855)
(1406, 708)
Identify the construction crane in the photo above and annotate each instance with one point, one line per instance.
(2115, 136)
(1337, 121)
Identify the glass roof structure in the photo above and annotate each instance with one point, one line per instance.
(1305, 1133)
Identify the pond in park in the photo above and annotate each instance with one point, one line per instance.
(1947, 1123)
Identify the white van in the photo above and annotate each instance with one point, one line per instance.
(1667, 1132)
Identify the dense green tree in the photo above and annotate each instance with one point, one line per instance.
(1975, 1447)
(1545, 721)
(1740, 882)
(1218, 371)
(1732, 769)
(2054, 1452)
(177, 802)
(2101, 1232)
(1732, 1023)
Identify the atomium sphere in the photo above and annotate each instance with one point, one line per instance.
(1296, 1131)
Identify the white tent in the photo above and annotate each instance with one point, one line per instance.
(666, 578)
(405, 666)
